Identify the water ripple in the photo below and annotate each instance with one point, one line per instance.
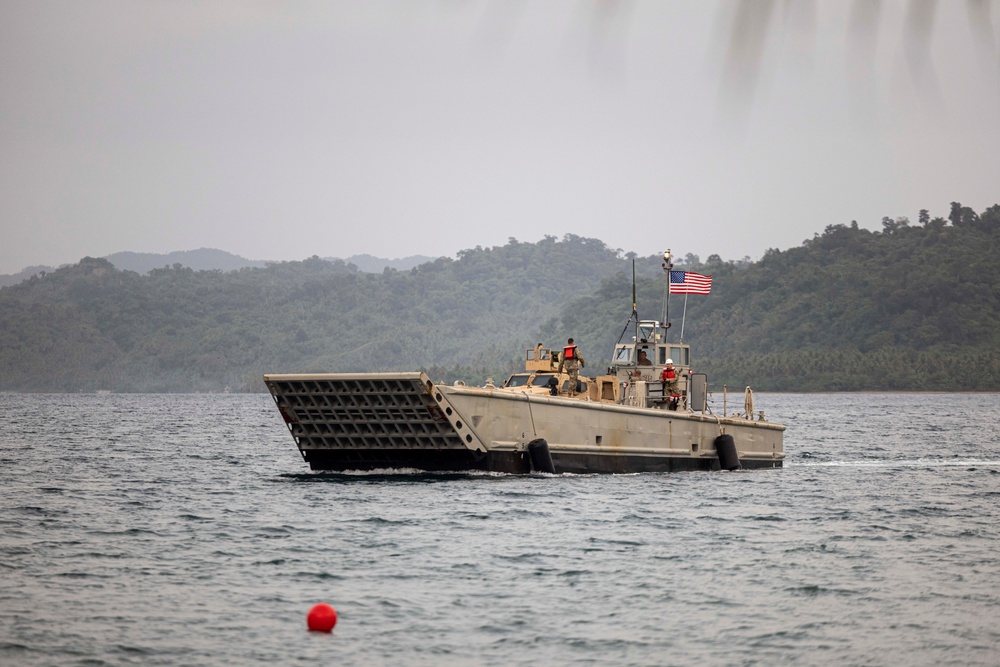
(163, 530)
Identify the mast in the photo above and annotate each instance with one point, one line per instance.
(635, 310)
(667, 266)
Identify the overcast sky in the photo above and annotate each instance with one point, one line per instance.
(282, 130)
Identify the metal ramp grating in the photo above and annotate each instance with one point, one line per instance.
(362, 413)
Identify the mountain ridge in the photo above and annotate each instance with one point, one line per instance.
(212, 259)
(914, 307)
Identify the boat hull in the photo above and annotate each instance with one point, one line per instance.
(514, 462)
(372, 421)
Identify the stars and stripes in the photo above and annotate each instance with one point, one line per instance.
(688, 282)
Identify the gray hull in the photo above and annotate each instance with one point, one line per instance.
(374, 421)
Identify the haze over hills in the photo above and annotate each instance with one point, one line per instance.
(912, 307)
(211, 259)
(91, 326)
(203, 259)
(372, 264)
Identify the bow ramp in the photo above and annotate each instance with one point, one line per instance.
(367, 421)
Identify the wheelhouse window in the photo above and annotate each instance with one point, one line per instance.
(518, 380)
(623, 355)
(647, 330)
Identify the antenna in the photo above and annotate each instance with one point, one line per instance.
(667, 265)
(635, 311)
(635, 314)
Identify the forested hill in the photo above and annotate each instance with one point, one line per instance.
(90, 326)
(914, 306)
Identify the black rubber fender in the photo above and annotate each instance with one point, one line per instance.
(541, 458)
(725, 446)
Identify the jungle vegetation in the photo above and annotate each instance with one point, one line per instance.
(914, 306)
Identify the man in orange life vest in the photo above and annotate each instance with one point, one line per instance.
(573, 361)
(669, 377)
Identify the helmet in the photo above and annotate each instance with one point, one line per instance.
(670, 361)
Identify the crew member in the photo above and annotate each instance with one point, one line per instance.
(643, 359)
(669, 377)
(572, 360)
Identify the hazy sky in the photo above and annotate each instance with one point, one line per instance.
(281, 130)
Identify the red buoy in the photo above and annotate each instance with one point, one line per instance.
(321, 618)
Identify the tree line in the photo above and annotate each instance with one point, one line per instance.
(93, 327)
(913, 306)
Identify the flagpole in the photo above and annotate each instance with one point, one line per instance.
(683, 317)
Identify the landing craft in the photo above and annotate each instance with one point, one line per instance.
(633, 418)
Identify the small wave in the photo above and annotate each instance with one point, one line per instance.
(82, 575)
(99, 554)
(275, 561)
(15, 550)
(218, 553)
(14, 646)
(380, 521)
(130, 532)
(910, 463)
(617, 543)
(525, 557)
(322, 576)
(575, 573)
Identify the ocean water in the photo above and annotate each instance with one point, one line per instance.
(186, 530)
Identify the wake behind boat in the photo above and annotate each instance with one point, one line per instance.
(648, 413)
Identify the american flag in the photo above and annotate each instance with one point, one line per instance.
(688, 282)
